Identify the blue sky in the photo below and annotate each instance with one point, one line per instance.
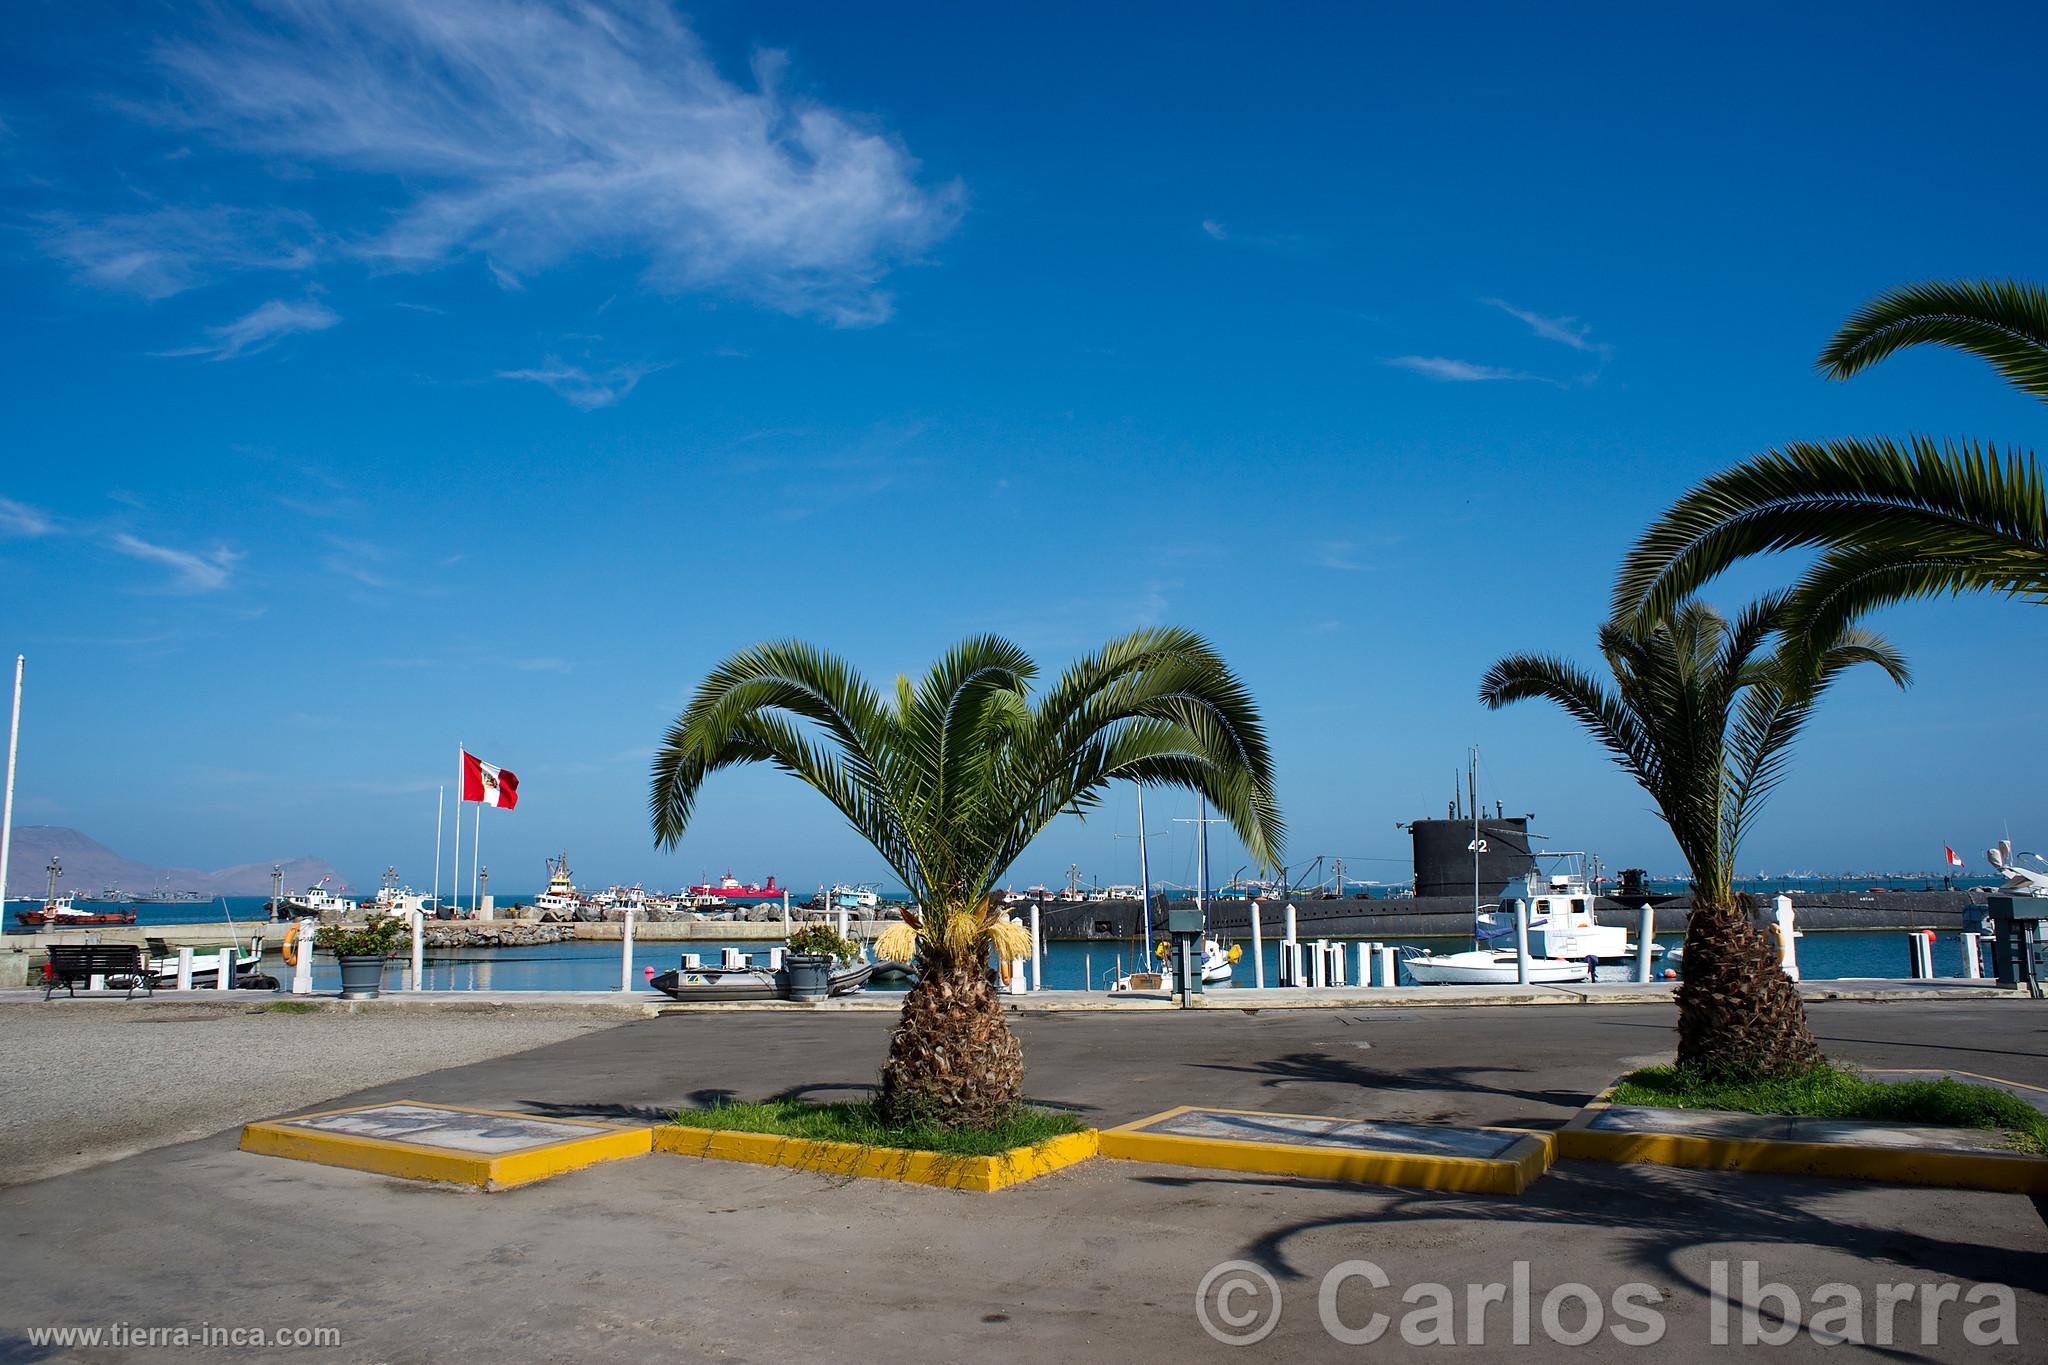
(379, 377)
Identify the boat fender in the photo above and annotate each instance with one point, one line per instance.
(291, 945)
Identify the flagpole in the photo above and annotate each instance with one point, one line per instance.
(7, 817)
(440, 813)
(455, 881)
(476, 844)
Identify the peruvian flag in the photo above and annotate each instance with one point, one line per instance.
(491, 785)
(1953, 860)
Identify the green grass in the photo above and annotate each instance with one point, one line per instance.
(1836, 1092)
(858, 1123)
(290, 1007)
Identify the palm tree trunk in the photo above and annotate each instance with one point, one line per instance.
(952, 1060)
(1738, 1013)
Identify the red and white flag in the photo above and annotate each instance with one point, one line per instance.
(494, 786)
(1953, 860)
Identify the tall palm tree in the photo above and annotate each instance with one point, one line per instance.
(1893, 519)
(951, 778)
(1704, 719)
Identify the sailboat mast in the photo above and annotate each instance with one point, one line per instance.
(1144, 876)
(1202, 859)
(1472, 794)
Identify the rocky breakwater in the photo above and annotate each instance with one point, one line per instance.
(460, 933)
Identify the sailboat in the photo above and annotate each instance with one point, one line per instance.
(1216, 959)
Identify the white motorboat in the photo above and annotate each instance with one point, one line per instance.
(317, 900)
(1560, 911)
(1487, 967)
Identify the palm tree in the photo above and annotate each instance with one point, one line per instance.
(1704, 719)
(1893, 519)
(951, 778)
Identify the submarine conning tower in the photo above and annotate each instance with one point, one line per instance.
(1443, 855)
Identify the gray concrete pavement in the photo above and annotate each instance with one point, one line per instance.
(676, 1257)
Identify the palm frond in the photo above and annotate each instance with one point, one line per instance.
(2004, 322)
(1915, 501)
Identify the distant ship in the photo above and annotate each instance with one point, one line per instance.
(731, 888)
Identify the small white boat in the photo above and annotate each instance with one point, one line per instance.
(1487, 967)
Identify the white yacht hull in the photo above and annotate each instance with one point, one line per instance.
(1488, 969)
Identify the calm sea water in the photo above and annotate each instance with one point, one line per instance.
(1823, 955)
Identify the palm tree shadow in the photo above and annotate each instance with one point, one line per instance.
(1660, 1212)
(1318, 1068)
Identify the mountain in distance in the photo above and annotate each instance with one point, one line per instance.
(90, 865)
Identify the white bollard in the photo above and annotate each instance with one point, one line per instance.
(1521, 943)
(419, 950)
(775, 959)
(1364, 964)
(1037, 954)
(1322, 961)
(302, 970)
(1785, 929)
(1390, 972)
(842, 924)
(626, 953)
(1290, 935)
(1973, 964)
(730, 957)
(1646, 938)
(225, 981)
(1290, 962)
(693, 962)
(1258, 950)
(185, 968)
(1336, 964)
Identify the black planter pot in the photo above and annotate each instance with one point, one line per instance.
(810, 975)
(362, 978)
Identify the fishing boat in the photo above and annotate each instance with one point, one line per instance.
(317, 900)
(62, 912)
(393, 899)
(730, 888)
(1560, 915)
(561, 900)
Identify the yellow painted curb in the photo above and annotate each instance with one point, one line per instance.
(982, 1173)
(1513, 1171)
(414, 1161)
(2003, 1172)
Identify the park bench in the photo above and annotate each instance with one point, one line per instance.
(75, 963)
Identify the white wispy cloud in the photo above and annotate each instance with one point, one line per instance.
(584, 388)
(1338, 554)
(525, 132)
(207, 571)
(1454, 371)
(1216, 229)
(20, 519)
(165, 251)
(261, 328)
(1566, 331)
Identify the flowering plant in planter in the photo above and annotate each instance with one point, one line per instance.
(383, 936)
(822, 940)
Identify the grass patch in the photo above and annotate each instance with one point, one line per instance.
(1834, 1092)
(860, 1124)
(290, 1007)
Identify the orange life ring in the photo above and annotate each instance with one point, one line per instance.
(291, 945)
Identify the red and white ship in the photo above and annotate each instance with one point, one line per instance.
(731, 888)
(62, 912)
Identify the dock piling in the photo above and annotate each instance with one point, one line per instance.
(185, 968)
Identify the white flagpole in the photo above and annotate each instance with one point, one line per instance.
(440, 814)
(475, 844)
(455, 881)
(7, 817)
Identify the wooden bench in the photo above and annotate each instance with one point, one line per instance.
(75, 963)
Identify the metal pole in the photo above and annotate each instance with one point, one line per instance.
(440, 809)
(1037, 953)
(455, 872)
(475, 844)
(785, 910)
(7, 816)
(1521, 942)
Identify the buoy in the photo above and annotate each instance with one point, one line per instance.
(291, 944)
